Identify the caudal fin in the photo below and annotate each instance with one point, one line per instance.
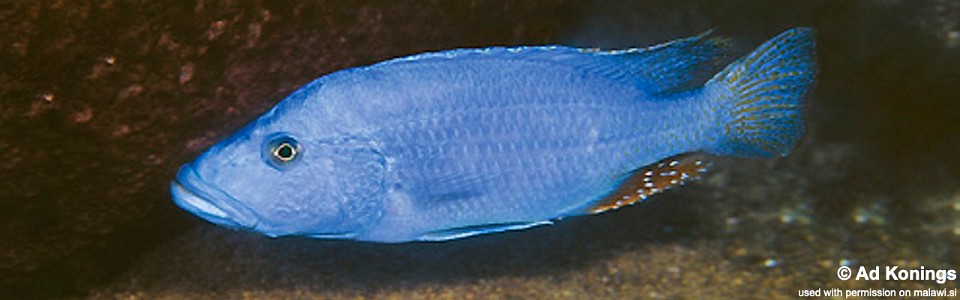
(760, 96)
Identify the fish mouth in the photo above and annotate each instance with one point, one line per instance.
(195, 195)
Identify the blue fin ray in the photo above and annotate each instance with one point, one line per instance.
(672, 66)
(664, 68)
(760, 96)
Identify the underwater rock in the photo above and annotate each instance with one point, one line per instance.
(103, 100)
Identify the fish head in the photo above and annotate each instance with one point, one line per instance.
(283, 178)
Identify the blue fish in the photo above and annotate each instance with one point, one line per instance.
(451, 144)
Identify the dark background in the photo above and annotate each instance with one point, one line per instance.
(103, 100)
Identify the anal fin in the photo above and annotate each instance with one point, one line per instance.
(652, 179)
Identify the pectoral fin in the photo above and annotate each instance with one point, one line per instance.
(446, 189)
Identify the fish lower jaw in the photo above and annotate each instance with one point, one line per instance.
(194, 195)
(194, 204)
(207, 210)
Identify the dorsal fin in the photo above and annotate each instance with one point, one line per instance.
(672, 66)
(646, 181)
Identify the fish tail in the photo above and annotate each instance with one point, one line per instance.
(760, 96)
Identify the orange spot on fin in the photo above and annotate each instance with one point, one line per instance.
(652, 179)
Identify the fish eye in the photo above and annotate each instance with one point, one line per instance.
(282, 150)
(285, 152)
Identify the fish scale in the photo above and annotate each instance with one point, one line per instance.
(441, 146)
(534, 142)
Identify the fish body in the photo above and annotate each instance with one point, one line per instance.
(446, 145)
